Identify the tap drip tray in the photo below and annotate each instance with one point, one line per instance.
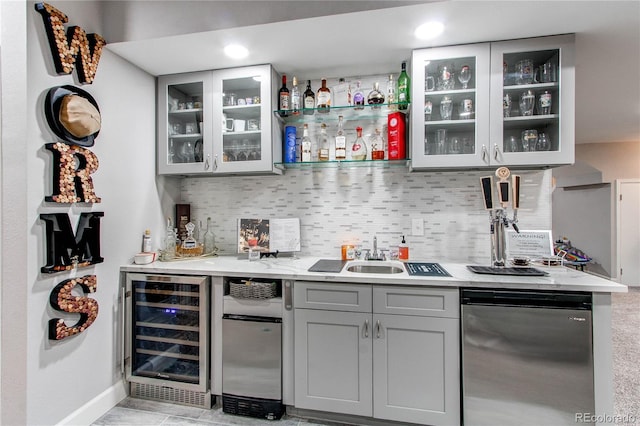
(492, 270)
(426, 269)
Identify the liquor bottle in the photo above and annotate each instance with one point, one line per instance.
(358, 97)
(308, 100)
(359, 148)
(323, 99)
(377, 147)
(376, 97)
(341, 142)
(283, 98)
(209, 239)
(323, 149)
(305, 145)
(391, 94)
(295, 98)
(404, 88)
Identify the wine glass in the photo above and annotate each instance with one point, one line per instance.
(464, 76)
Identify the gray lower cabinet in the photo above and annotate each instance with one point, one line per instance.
(386, 352)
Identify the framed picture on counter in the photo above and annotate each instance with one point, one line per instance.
(269, 235)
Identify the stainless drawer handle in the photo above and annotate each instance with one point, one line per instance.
(366, 328)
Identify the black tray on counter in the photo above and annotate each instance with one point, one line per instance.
(493, 270)
(328, 265)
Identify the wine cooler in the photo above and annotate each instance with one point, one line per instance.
(167, 338)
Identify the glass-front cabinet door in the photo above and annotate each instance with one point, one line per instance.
(184, 124)
(450, 108)
(242, 127)
(533, 101)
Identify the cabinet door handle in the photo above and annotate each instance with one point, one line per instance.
(288, 304)
(377, 329)
(206, 163)
(484, 153)
(366, 328)
(496, 151)
(215, 162)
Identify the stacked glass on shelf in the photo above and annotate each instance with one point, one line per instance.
(450, 96)
(530, 92)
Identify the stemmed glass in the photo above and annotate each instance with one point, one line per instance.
(464, 76)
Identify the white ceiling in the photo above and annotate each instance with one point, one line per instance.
(163, 40)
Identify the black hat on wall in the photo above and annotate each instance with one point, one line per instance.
(73, 115)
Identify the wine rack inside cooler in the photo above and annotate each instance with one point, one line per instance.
(167, 336)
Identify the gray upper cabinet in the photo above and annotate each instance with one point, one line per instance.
(515, 109)
(218, 122)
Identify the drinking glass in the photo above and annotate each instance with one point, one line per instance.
(543, 143)
(506, 105)
(524, 72)
(454, 146)
(441, 141)
(464, 76)
(529, 140)
(527, 101)
(445, 77)
(446, 108)
(512, 144)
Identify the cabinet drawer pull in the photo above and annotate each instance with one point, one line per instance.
(378, 329)
(366, 328)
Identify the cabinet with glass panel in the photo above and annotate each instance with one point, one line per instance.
(217, 122)
(491, 104)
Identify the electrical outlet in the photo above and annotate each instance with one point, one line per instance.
(417, 227)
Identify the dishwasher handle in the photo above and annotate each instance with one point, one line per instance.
(524, 299)
(250, 318)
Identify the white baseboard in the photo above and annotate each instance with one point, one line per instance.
(98, 406)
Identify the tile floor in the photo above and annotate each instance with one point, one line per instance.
(626, 351)
(133, 411)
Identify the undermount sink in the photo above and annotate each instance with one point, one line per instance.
(375, 267)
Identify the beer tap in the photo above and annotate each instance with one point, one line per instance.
(508, 194)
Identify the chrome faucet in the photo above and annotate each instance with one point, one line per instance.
(375, 255)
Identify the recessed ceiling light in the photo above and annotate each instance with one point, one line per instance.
(236, 51)
(429, 30)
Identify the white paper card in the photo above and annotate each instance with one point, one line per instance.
(531, 244)
(269, 235)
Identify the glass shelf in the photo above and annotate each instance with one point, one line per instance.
(534, 86)
(531, 120)
(344, 164)
(368, 112)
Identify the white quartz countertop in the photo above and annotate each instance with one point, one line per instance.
(296, 268)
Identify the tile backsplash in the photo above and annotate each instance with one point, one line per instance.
(339, 205)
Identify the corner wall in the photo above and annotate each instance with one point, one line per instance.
(44, 381)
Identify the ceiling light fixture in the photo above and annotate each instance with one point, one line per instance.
(429, 30)
(236, 51)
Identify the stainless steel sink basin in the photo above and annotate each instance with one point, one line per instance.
(372, 267)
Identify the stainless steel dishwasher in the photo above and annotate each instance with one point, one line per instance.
(527, 357)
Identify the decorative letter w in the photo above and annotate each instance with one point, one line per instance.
(83, 50)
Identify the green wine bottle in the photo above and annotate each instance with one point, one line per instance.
(404, 88)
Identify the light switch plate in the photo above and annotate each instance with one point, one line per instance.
(417, 227)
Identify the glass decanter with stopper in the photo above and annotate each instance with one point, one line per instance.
(359, 148)
(376, 97)
(209, 239)
(190, 246)
(377, 146)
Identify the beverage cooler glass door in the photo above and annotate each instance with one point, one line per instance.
(450, 109)
(242, 96)
(166, 330)
(536, 84)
